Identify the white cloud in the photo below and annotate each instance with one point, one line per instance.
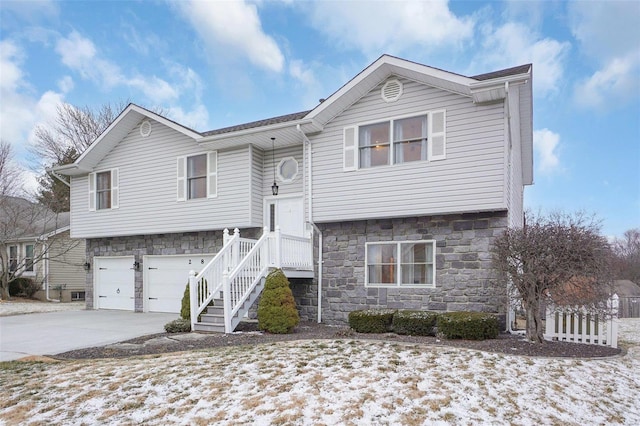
(20, 110)
(233, 29)
(516, 44)
(545, 145)
(391, 26)
(618, 80)
(609, 34)
(197, 118)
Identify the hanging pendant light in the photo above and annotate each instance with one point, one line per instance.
(274, 187)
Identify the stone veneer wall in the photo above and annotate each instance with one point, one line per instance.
(159, 244)
(465, 279)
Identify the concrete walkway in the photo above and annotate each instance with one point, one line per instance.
(56, 332)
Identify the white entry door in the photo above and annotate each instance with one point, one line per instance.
(165, 278)
(285, 212)
(114, 279)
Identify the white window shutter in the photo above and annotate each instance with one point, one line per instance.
(212, 174)
(350, 149)
(437, 136)
(115, 189)
(92, 192)
(181, 183)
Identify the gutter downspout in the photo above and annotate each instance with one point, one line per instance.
(46, 273)
(510, 311)
(310, 219)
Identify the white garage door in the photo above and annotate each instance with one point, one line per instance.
(114, 282)
(165, 278)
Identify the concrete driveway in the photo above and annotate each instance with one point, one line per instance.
(56, 332)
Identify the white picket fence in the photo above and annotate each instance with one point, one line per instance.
(581, 326)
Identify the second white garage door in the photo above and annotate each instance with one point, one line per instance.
(165, 278)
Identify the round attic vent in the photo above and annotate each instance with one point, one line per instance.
(391, 91)
(145, 128)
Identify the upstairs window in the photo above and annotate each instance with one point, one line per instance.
(197, 176)
(103, 190)
(396, 141)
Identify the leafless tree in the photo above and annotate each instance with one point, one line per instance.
(560, 259)
(22, 221)
(627, 256)
(74, 129)
(10, 173)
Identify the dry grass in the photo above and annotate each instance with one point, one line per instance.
(324, 382)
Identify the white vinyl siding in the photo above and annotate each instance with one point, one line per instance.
(284, 188)
(471, 178)
(147, 190)
(66, 260)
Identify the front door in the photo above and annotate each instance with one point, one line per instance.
(287, 213)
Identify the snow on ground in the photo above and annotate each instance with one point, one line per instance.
(328, 382)
(26, 306)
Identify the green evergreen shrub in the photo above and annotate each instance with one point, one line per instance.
(415, 323)
(371, 320)
(179, 325)
(277, 312)
(468, 325)
(23, 286)
(185, 310)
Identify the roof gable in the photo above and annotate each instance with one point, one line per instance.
(128, 119)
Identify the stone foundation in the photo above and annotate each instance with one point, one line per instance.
(465, 279)
(159, 244)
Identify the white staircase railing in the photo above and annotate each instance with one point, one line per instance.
(238, 284)
(238, 268)
(204, 286)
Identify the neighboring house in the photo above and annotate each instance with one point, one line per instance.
(629, 298)
(38, 246)
(392, 190)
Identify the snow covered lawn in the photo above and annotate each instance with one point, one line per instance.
(327, 382)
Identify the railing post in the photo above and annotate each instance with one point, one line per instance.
(226, 294)
(265, 254)
(614, 303)
(235, 251)
(225, 237)
(193, 299)
(278, 260)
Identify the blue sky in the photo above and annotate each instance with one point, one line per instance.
(215, 64)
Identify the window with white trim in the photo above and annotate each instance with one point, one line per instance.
(400, 264)
(13, 258)
(197, 176)
(104, 190)
(28, 257)
(395, 141)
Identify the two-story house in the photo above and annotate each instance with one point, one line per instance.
(389, 193)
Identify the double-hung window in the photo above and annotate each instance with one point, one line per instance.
(103, 190)
(28, 257)
(395, 141)
(400, 264)
(13, 258)
(197, 176)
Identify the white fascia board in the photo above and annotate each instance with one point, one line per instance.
(71, 170)
(477, 85)
(395, 66)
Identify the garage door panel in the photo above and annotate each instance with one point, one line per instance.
(114, 283)
(166, 278)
